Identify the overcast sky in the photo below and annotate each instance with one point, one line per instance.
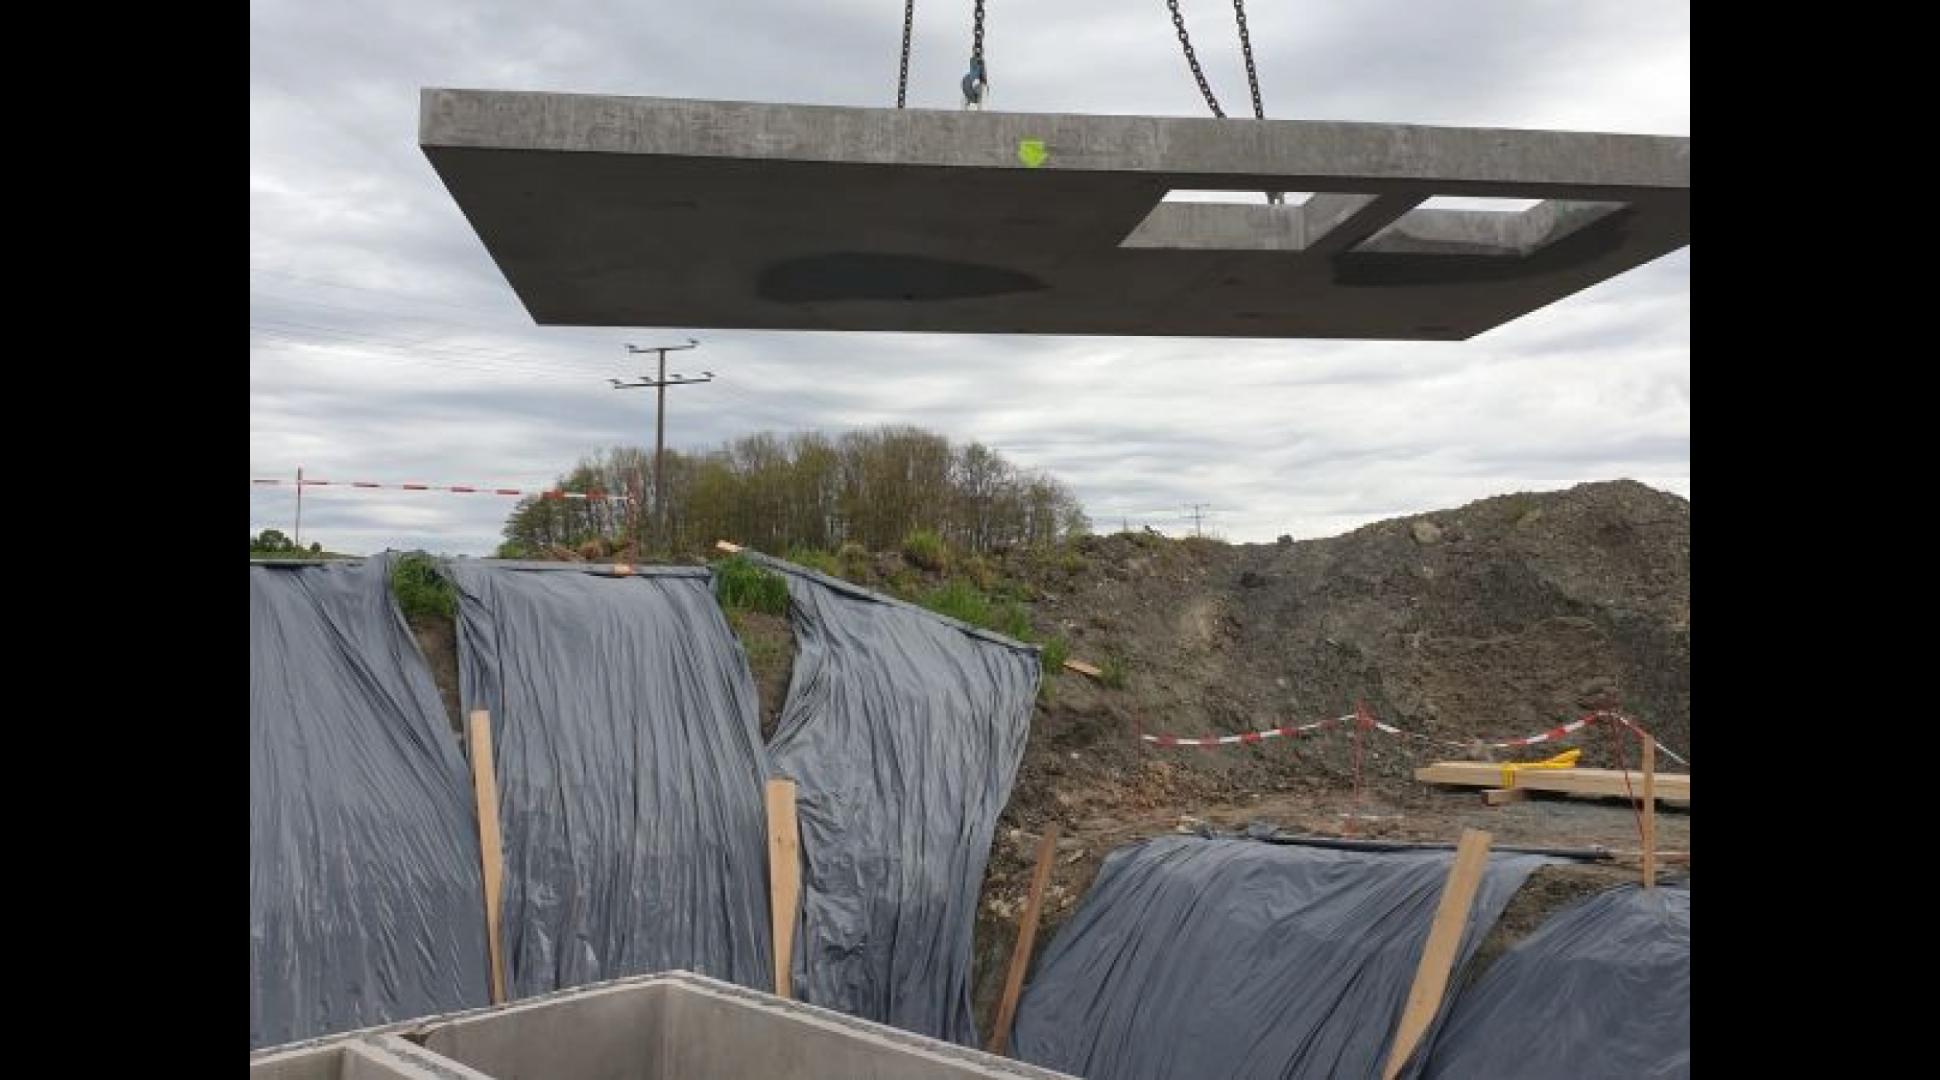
(385, 346)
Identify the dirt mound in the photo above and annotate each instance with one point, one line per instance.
(1498, 619)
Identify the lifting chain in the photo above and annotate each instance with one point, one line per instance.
(902, 76)
(1199, 75)
(1192, 59)
(977, 82)
(1246, 48)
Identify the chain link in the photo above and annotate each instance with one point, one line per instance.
(1192, 59)
(902, 76)
(976, 82)
(1273, 198)
(1246, 47)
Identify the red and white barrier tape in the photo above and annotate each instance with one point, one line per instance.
(1562, 731)
(461, 489)
(1286, 731)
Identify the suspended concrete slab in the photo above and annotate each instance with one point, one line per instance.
(616, 211)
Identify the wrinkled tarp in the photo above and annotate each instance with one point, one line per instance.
(903, 731)
(365, 903)
(1221, 957)
(1602, 989)
(630, 771)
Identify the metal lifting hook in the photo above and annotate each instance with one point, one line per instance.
(975, 84)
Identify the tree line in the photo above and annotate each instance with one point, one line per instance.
(808, 489)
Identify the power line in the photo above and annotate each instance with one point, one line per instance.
(510, 359)
(329, 284)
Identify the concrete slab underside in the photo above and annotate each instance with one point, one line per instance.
(610, 211)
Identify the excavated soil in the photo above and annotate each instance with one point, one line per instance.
(1498, 619)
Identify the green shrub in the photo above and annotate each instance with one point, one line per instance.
(855, 561)
(742, 586)
(978, 569)
(1011, 620)
(816, 559)
(421, 591)
(1112, 672)
(1055, 653)
(923, 548)
(961, 601)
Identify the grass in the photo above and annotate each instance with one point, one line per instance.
(924, 549)
(855, 561)
(978, 569)
(1112, 672)
(742, 586)
(1056, 651)
(961, 601)
(763, 653)
(421, 591)
(1011, 620)
(816, 559)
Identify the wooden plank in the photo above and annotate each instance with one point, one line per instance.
(723, 545)
(784, 877)
(1438, 956)
(490, 849)
(1020, 954)
(1650, 812)
(1611, 783)
(1664, 858)
(1499, 796)
(1083, 668)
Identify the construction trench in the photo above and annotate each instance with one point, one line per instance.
(610, 872)
(627, 782)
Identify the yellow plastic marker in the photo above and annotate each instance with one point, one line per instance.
(1032, 152)
(1564, 760)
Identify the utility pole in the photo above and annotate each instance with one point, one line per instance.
(659, 384)
(1198, 512)
(299, 507)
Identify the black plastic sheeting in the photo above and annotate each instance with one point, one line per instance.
(365, 903)
(1226, 957)
(1601, 990)
(903, 731)
(630, 769)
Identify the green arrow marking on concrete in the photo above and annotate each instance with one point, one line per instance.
(1031, 152)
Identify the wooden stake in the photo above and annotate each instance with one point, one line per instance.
(491, 852)
(784, 877)
(1438, 956)
(1020, 954)
(1650, 812)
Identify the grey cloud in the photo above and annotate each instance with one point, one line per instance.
(386, 346)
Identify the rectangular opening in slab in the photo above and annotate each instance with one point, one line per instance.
(1513, 234)
(1481, 204)
(1183, 195)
